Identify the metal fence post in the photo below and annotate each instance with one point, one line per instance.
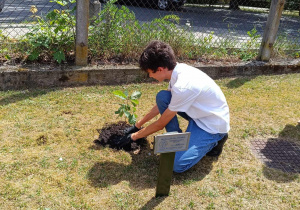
(271, 29)
(82, 24)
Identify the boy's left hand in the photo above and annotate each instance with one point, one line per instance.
(124, 140)
(131, 129)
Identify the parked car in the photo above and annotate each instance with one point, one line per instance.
(160, 4)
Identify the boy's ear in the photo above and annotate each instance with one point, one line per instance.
(161, 68)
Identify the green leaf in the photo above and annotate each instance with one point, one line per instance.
(51, 15)
(120, 112)
(136, 95)
(7, 57)
(74, 8)
(126, 93)
(59, 56)
(127, 114)
(62, 3)
(127, 107)
(134, 102)
(132, 119)
(119, 94)
(56, 30)
(33, 56)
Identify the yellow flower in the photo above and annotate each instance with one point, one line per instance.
(33, 9)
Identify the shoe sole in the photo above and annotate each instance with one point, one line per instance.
(217, 150)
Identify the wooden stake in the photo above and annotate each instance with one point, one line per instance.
(165, 174)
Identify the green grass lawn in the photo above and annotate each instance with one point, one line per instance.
(48, 160)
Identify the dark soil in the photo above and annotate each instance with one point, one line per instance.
(111, 133)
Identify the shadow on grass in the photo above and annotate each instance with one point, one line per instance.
(152, 203)
(142, 172)
(23, 95)
(137, 173)
(278, 175)
(291, 132)
(238, 82)
(282, 155)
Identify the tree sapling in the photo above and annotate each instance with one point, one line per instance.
(125, 108)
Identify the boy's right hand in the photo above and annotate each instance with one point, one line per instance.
(131, 129)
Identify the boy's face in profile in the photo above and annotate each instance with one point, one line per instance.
(159, 75)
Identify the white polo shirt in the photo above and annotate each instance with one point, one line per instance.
(196, 94)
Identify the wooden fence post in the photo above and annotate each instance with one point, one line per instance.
(82, 24)
(271, 29)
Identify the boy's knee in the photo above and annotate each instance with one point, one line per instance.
(179, 168)
(163, 96)
(186, 161)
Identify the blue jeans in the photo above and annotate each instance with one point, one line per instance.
(201, 142)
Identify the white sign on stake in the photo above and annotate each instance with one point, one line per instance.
(171, 142)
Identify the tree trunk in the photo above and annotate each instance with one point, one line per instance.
(234, 5)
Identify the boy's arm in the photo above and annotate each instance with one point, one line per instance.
(151, 114)
(156, 126)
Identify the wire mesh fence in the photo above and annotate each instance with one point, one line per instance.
(122, 29)
(18, 16)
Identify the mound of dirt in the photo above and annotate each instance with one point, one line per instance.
(111, 133)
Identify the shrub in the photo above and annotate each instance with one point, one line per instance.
(53, 36)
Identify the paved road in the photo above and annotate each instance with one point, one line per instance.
(221, 21)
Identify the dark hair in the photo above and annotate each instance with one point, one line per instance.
(157, 54)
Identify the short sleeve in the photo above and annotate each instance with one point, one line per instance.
(182, 99)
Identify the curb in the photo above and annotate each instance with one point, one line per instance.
(14, 78)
